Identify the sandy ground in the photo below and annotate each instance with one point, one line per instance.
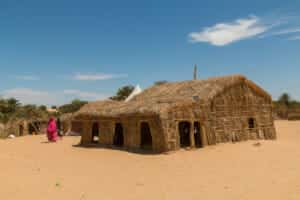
(35, 170)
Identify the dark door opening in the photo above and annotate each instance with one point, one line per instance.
(95, 133)
(197, 135)
(146, 138)
(251, 123)
(184, 134)
(118, 137)
(34, 128)
(21, 130)
(31, 129)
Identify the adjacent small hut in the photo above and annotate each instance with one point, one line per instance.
(22, 127)
(67, 123)
(184, 114)
(2, 131)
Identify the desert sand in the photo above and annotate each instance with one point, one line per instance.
(35, 170)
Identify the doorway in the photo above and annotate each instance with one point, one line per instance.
(95, 133)
(21, 130)
(184, 128)
(146, 138)
(118, 137)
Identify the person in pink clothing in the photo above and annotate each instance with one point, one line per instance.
(52, 130)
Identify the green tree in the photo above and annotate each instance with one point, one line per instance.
(53, 107)
(285, 99)
(160, 82)
(43, 108)
(12, 104)
(123, 93)
(72, 107)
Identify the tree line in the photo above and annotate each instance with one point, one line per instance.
(285, 106)
(11, 108)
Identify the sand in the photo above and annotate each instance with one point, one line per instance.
(32, 169)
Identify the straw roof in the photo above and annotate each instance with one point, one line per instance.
(161, 98)
(66, 117)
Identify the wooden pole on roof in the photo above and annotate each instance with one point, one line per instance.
(195, 72)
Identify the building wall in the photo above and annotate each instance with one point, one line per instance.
(232, 110)
(198, 112)
(225, 119)
(14, 128)
(77, 126)
(131, 131)
(22, 128)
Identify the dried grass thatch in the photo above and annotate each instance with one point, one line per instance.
(66, 117)
(161, 98)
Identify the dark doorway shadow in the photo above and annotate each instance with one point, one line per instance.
(184, 128)
(118, 137)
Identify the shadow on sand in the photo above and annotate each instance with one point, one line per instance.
(115, 148)
(47, 142)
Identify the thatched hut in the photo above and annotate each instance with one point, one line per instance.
(2, 131)
(67, 123)
(22, 127)
(181, 114)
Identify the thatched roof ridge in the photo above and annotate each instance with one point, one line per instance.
(161, 98)
(258, 89)
(205, 89)
(94, 108)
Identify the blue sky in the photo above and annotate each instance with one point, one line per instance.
(52, 52)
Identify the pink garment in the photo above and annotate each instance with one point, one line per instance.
(52, 130)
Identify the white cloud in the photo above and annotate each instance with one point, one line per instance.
(225, 33)
(97, 77)
(294, 38)
(27, 78)
(85, 95)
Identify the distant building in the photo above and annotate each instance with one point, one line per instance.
(170, 116)
(22, 127)
(52, 110)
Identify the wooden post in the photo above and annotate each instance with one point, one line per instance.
(86, 133)
(203, 136)
(192, 132)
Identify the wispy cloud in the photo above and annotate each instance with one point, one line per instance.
(97, 77)
(282, 31)
(225, 33)
(27, 78)
(286, 31)
(39, 97)
(30, 96)
(84, 94)
(294, 37)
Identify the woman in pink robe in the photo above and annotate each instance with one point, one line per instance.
(52, 130)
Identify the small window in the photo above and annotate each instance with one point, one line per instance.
(251, 123)
(196, 98)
